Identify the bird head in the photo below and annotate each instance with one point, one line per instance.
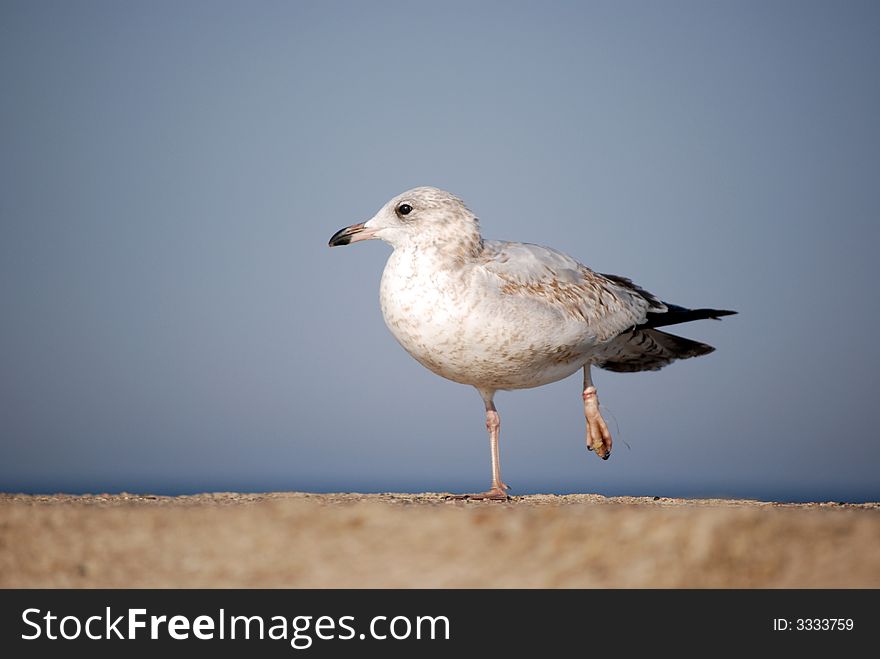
(421, 218)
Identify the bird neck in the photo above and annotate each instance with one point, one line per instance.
(444, 247)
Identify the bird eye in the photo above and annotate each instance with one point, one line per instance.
(404, 209)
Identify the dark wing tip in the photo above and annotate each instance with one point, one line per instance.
(675, 314)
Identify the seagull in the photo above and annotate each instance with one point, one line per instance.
(501, 315)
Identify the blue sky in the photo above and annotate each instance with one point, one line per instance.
(174, 322)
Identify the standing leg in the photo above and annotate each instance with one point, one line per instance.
(598, 437)
(493, 425)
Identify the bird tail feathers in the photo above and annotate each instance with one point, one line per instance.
(648, 350)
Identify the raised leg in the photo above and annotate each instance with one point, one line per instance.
(598, 437)
(493, 426)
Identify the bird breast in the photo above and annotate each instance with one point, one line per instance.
(456, 322)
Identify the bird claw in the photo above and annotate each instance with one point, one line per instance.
(598, 435)
(494, 494)
(601, 445)
(604, 457)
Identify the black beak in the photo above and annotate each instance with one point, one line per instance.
(347, 235)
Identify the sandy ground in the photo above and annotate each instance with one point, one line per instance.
(425, 540)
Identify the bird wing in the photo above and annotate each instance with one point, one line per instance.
(606, 303)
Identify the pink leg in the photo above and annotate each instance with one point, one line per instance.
(598, 437)
(493, 426)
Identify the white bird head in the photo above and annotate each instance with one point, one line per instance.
(422, 218)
